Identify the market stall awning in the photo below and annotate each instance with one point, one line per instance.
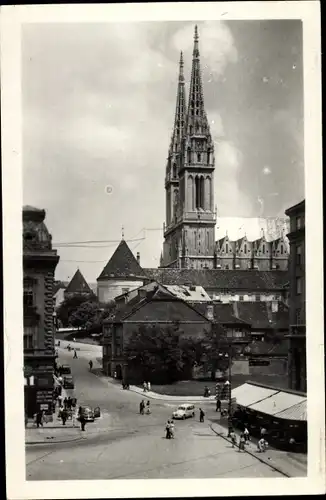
(278, 402)
(296, 412)
(248, 394)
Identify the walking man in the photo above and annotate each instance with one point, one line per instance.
(144, 386)
(39, 419)
(168, 430)
(246, 434)
(90, 365)
(218, 405)
(64, 416)
(75, 354)
(233, 437)
(242, 442)
(201, 415)
(148, 408)
(142, 407)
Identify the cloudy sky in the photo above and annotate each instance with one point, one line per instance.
(98, 110)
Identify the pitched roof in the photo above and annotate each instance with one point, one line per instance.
(78, 284)
(122, 264)
(260, 315)
(235, 279)
(223, 313)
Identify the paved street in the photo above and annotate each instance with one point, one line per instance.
(124, 444)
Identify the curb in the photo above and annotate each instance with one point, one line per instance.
(252, 454)
(50, 441)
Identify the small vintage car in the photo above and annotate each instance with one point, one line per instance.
(184, 411)
(68, 382)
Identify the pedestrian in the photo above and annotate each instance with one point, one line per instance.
(201, 415)
(141, 407)
(148, 386)
(262, 431)
(90, 365)
(205, 391)
(73, 402)
(75, 354)
(69, 403)
(59, 343)
(171, 429)
(261, 445)
(64, 416)
(82, 422)
(39, 419)
(218, 405)
(65, 403)
(242, 442)
(168, 430)
(148, 408)
(246, 434)
(233, 438)
(144, 386)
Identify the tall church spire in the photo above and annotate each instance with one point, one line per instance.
(180, 111)
(196, 121)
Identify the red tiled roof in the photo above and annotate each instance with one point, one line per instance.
(78, 284)
(214, 279)
(122, 264)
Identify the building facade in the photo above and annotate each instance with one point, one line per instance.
(39, 263)
(297, 299)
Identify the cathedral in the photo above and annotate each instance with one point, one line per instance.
(189, 229)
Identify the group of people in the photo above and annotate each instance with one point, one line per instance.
(145, 408)
(169, 428)
(243, 440)
(146, 386)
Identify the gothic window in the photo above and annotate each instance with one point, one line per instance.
(174, 170)
(208, 157)
(227, 248)
(282, 249)
(198, 157)
(245, 248)
(29, 292)
(189, 155)
(197, 113)
(263, 248)
(190, 129)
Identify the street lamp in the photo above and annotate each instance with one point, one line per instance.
(228, 355)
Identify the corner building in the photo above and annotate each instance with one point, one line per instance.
(189, 231)
(39, 263)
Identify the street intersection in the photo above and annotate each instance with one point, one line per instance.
(124, 444)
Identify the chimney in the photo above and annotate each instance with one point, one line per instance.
(210, 312)
(138, 258)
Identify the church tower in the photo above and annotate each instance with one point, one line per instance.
(190, 234)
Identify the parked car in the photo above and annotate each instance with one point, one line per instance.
(68, 382)
(184, 411)
(88, 413)
(65, 370)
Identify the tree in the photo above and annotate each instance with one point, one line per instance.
(70, 305)
(83, 314)
(218, 350)
(159, 353)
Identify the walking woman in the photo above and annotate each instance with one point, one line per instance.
(168, 430)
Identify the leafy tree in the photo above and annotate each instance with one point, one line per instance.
(218, 350)
(160, 353)
(83, 314)
(70, 305)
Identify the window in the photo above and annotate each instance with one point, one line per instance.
(227, 248)
(198, 157)
(245, 248)
(282, 249)
(241, 298)
(263, 248)
(257, 298)
(29, 288)
(238, 334)
(298, 222)
(29, 337)
(229, 333)
(298, 282)
(227, 266)
(298, 255)
(298, 316)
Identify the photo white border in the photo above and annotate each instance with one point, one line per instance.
(12, 17)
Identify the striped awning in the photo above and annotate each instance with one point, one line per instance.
(278, 402)
(248, 394)
(296, 412)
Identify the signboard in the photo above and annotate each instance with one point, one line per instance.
(44, 397)
(44, 406)
(259, 362)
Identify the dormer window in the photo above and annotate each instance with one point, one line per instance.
(263, 248)
(245, 248)
(226, 248)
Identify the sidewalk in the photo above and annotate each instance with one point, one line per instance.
(52, 432)
(288, 464)
(162, 397)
